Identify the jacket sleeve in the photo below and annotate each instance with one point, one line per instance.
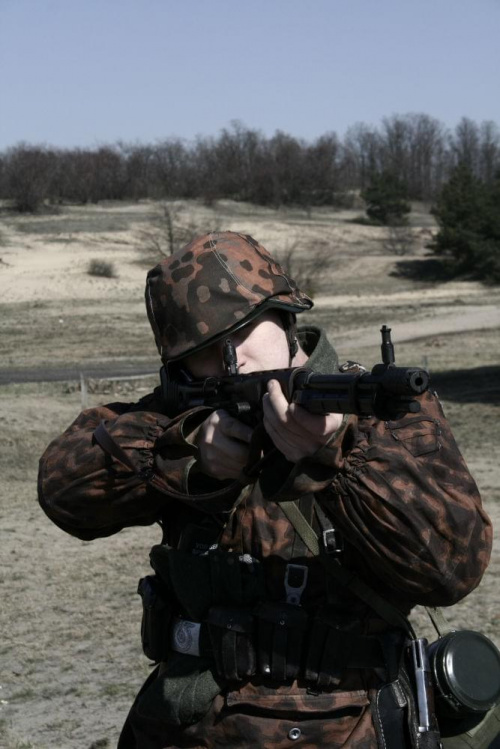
(403, 497)
(92, 488)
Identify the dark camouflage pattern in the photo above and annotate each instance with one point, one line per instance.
(215, 284)
(278, 718)
(400, 492)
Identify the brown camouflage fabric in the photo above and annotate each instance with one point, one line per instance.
(400, 492)
(278, 718)
(213, 285)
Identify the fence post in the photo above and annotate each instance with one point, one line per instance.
(84, 391)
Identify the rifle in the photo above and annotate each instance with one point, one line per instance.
(387, 392)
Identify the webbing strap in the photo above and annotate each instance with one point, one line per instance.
(108, 444)
(437, 618)
(350, 580)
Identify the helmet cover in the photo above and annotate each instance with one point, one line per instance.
(215, 284)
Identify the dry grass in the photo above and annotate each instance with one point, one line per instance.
(70, 651)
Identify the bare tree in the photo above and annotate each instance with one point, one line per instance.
(306, 264)
(362, 155)
(28, 172)
(465, 145)
(174, 176)
(322, 167)
(489, 151)
(138, 170)
(400, 239)
(170, 230)
(242, 164)
(427, 160)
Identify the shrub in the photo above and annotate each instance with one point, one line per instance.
(400, 239)
(101, 268)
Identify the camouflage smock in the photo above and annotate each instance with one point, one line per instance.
(400, 492)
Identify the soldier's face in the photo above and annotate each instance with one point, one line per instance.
(260, 345)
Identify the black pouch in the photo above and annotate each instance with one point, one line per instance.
(188, 576)
(234, 581)
(328, 652)
(281, 633)
(156, 615)
(232, 638)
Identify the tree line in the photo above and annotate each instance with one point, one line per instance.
(243, 164)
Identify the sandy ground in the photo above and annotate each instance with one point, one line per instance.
(70, 658)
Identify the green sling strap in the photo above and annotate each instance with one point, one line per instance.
(350, 580)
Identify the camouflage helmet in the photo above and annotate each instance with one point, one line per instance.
(213, 286)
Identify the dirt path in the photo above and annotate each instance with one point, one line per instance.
(440, 320)
(109, 369)
(437, 320)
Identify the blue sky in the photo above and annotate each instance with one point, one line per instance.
(86, 72)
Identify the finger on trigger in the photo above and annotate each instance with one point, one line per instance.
(279, 413)
(276, 398)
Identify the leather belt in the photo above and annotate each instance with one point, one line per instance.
(193, 638)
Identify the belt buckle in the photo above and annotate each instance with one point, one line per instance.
(294, 591)
(185, 637)
(333, 541)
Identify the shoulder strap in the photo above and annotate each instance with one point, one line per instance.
(438, 620)
(350, 580)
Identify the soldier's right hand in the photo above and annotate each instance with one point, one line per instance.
(223, 444)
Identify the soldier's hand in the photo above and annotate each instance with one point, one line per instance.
(223, 445)
(294, 431)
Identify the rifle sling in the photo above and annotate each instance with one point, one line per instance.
(438, 620)
(108, 444)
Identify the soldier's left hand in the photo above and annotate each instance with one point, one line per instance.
(294, 431)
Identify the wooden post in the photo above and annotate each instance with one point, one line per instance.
(84, 391)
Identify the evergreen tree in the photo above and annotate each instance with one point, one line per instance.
(468, 213)
(386, 199)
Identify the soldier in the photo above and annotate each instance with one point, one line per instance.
(256, 644)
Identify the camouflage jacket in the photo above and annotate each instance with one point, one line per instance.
(399, 492)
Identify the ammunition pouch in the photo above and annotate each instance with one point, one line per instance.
(331, 650)
(232, 638)
(218, 578)
(156, 616)
(281, 633)
(276, 641)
